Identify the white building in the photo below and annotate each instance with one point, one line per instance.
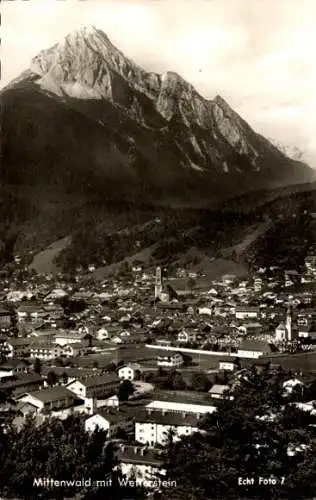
(247, 312)
(219, 391)
(127, 372)
(109, 420)
(227, 364)
(253, 349)
(56, 398)
(95, 387)
(102, 334)
(152, 427)
(169, 359)
(289, 385)
(140, 463)
(283, 332)
(187, 336)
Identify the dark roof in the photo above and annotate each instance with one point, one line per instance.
(29, 308)
(20, 381)
(16, 341)
(246, 308)
(116, 415)
(139, 455)
(100, 380)
(167, 418)
(52, 394)
(165, 353)
(256, 345)
(228, 359)
(13, 363)
(187, 397)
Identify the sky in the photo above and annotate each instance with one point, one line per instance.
(259, 55)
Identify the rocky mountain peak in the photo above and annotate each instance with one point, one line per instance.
(155, 131)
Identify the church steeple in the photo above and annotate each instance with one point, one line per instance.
(158, 283)
(288, 323)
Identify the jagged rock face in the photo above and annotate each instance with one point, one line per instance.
(85, 109)
(86, 65)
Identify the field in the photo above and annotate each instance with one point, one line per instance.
(305, 361)
(141, 353)
(43, 262)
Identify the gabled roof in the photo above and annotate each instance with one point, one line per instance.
(167, 418)
(245, 308)
(139, 455)
(13, 363)
(18, 341)
(30, 307)
(164, 353)
(256, 345)
(218, 389)
(52, 394)
(99, 380)
(20, 381)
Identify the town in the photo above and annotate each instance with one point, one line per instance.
(145, 352)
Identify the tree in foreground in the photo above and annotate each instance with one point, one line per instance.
(60, 450)
(254, 436)
(126, 389)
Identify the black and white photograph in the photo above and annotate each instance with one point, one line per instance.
(158, 250)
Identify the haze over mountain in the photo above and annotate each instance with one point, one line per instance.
(85, 117)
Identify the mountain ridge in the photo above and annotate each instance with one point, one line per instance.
(85, 121)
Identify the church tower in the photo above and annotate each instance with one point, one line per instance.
(158, 283)
(288, 323)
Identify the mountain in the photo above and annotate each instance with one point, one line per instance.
(84, 114)
(86, 123)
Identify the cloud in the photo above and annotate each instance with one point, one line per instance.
(258, 54)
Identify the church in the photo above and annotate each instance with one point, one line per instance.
(284, 331)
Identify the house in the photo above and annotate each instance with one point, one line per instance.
(15, 347)
(247, 312)
(42, 349)
(169, 359)
(55, 398)
(127, 372)
(95, 387)
(219, 391)
(22, 384)
(112, 401)
(187, 336)
(152, 427)
(68, 350)
(254, 349)
(250, 328)
(31, 311)
(110, 420)
(257, 284)
(228, 279)
(140, 463)
(13, 367)
(228, 364)
(180, 407)
(6, 318)
(102, 334)
(63, 338)
(298, 382)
